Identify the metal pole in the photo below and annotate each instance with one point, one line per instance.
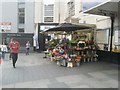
(39, 35)
(112, 29)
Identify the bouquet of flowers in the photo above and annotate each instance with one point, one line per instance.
(78, 58)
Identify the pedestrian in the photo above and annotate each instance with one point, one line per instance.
(14, 47)
(27, 47)
(10, 56)
(3, 50)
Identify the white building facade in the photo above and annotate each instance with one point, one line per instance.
(74, 7)
(48, 15)
(26, 17)
(20, 17)
(102, 22)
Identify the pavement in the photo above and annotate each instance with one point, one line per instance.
(33, 71)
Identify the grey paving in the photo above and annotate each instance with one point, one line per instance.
(0, 77)
(35, 72)
(58, 85)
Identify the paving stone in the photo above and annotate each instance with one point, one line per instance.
(69, 79)
(111, 83)
(24, 85)
(99, 76)
(81, 86)
(42, 81)
(35, 72)
(8, 86)
(58, 85)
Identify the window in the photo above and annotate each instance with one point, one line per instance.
(48, 13)
(21, 15)
(49, 10)
(21, 2)
(21, 30)
(21, 20)
(48, 19)
(71, 8)
(21, 10)
(84, 22)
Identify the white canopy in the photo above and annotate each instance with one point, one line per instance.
(104, 9)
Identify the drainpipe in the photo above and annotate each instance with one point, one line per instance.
(59, 13)
(112, 29)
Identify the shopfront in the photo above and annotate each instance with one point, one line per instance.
(109, 37)
(22, 38)
(42, 27)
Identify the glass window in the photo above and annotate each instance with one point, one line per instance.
(48, 19)
(49, 10)
(21, 20)
(21, 10)
(21, 30)
(21, 16)
(71, 8)
(48, 13)
(21, 2)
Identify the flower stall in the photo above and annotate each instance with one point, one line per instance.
(71, 53)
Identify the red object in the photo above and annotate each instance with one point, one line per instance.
(14, 47)
(78, 58)
(59, 54)
(0, 61)
(77, 48)
(53, 54)
(49, 48)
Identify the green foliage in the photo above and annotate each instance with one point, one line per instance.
(73, 43)
(54, 42)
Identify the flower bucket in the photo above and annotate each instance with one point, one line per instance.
(78, 64)
(69, 64)
(58, 63)
(84, 59)
(64, 62)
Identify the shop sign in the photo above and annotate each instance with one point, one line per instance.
(5, 26)
(18, 35)
(46, 27)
